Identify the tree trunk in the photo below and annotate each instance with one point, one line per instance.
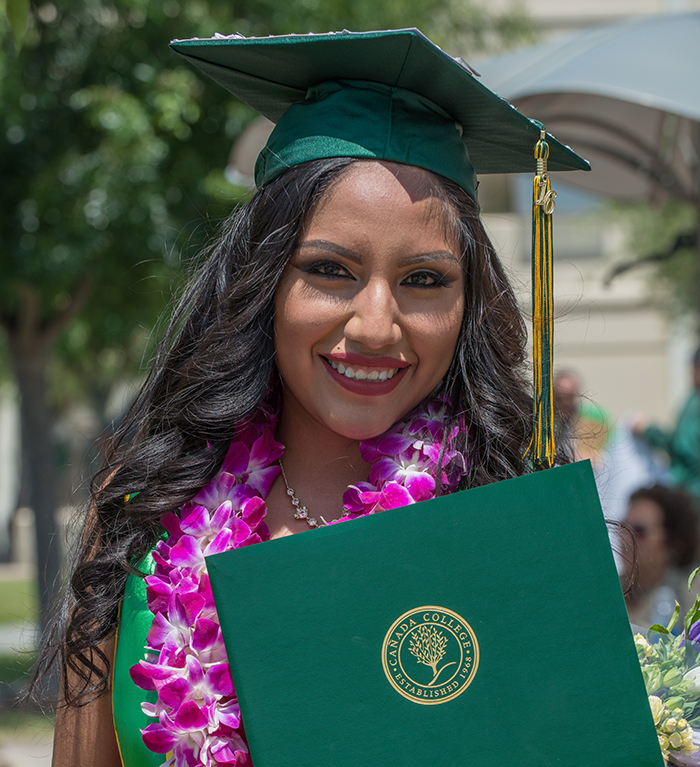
(29, 360)
(30, 338)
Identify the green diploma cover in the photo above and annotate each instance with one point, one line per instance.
(480, 629)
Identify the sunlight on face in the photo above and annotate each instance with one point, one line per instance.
(370, 306)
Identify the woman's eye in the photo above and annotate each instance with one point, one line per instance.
(426, 280)
(325, 269)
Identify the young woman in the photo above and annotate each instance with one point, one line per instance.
(351, 344)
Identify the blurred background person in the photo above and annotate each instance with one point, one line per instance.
(585, 423)
(682, 443)
(664, 523)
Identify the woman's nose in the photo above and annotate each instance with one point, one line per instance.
(375, 317)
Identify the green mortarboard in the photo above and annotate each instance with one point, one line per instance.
(396, 96)
(389, 95)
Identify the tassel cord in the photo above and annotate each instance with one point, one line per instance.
(542, 450)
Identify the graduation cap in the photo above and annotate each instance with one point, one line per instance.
(396, 96)
(389, 95)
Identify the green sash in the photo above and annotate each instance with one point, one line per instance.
(134, 625)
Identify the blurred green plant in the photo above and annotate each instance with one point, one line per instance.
(18, 15)
(15, 668)
(111, 165)
(30, 727)
(663, 237)
(19, 609)
(19, 602)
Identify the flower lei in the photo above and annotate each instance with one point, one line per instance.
(199, 719)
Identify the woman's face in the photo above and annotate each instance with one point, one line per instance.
(369, 308)
(646, 518)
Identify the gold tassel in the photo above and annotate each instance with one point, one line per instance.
(542, 449)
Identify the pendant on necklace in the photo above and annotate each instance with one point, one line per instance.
(300, 511)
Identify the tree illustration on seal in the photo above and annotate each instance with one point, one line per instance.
(428, 646)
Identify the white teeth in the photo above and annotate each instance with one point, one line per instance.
(360, 374)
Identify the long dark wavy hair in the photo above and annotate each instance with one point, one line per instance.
(213, 369)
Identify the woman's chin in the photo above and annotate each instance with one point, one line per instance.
(359, 429)
(358, 435)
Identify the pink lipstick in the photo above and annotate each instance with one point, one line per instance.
(369, 388)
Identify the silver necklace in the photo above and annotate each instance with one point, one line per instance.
(300, 511)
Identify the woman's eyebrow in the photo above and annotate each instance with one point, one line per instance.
(333, 248)
(438, 255)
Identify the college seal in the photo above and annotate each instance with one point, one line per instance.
(430, 655)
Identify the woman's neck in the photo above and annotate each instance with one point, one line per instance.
(319, 465)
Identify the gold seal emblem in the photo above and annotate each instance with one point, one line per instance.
(430, 655)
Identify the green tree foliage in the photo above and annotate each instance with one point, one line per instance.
(112, 165)
(654, 232)
(17, 14)
(108, 180)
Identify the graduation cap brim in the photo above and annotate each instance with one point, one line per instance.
(272, 73)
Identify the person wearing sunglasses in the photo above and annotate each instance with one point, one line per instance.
(665, 527)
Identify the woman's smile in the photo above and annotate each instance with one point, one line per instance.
(365, 368)
(362, 374)
(364, 378)
(369, 310)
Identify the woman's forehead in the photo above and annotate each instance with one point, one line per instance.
(379, 175)
(369, 184)
(645, 510)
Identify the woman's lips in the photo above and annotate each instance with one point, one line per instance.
(380, 365)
